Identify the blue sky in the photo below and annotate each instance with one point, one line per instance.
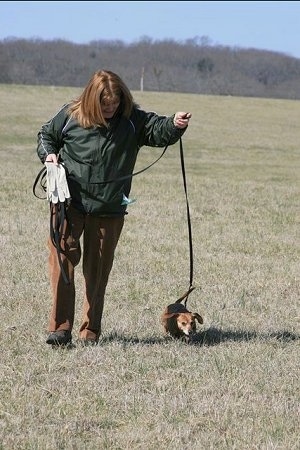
(266, 25)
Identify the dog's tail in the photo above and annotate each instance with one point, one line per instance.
(186, 294)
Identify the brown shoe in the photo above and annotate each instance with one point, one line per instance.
(61, 337)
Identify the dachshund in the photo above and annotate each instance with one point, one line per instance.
(179, 322)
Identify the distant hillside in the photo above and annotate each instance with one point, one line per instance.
(194, 66)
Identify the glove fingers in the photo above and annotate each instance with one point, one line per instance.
(50, 176)
(52, 184)
(62, 183)
(60, 193)
(59, 184)
(52, 180)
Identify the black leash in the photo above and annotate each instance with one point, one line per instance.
(41, 181)
(57, 224)
(41, 176)
(57, 218)
(191, 287)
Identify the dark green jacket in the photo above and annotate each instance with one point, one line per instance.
(98, 154)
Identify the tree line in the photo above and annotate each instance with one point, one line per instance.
(193, 66)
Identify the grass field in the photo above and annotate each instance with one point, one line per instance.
(237, 387)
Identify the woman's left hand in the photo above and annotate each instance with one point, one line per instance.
(181, 119)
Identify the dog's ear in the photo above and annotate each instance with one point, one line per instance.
(198, 317)
(169, 315)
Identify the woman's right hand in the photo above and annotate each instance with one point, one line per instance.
(52, 157)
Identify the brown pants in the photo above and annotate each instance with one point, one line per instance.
(100, 238)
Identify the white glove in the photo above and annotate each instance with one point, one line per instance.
(57, 186)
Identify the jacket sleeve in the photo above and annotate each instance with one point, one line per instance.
(50, 136)
(154, 130)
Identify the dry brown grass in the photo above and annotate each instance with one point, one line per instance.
(237, 387)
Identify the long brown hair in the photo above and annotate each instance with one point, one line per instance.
(104, 86)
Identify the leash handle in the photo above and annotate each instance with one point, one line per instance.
(41, 179)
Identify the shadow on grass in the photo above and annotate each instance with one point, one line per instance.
(215, 336)
(209, 337)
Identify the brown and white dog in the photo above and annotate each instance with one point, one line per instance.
(179, 322)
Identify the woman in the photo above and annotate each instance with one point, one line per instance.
(97, 138)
